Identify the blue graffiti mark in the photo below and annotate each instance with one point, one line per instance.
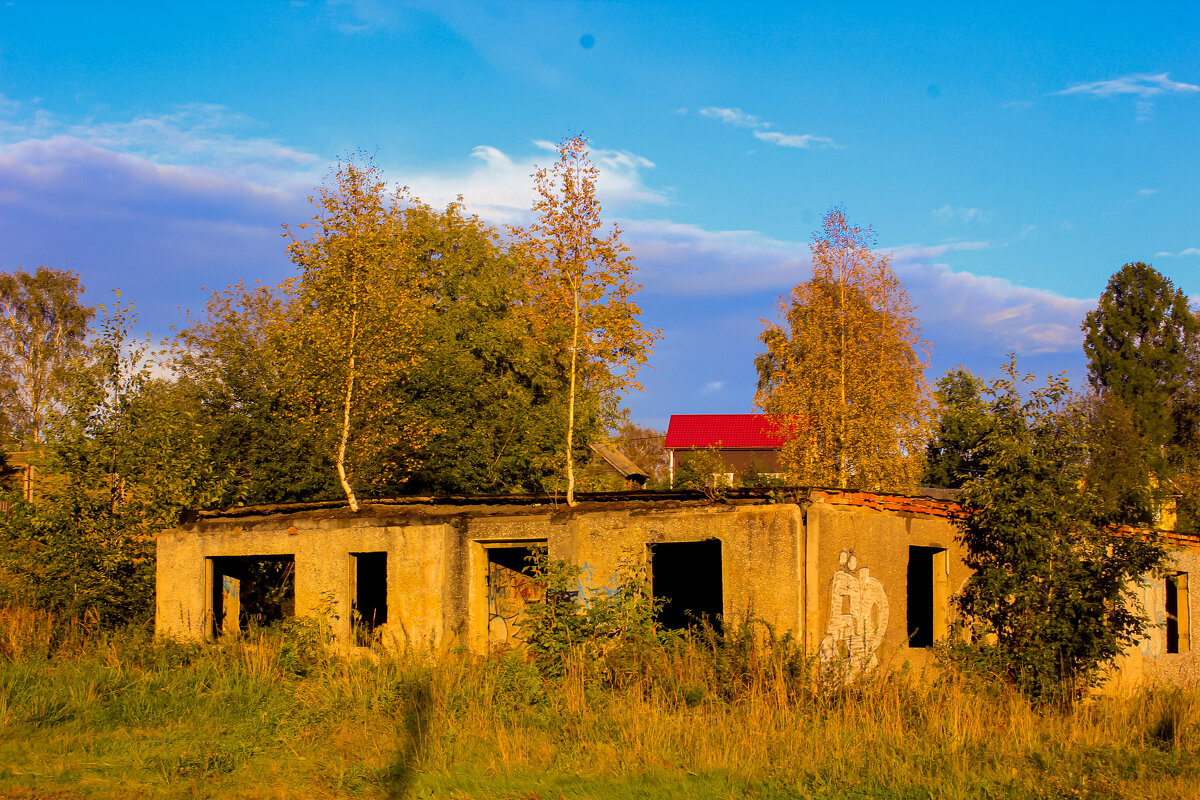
(230, 586)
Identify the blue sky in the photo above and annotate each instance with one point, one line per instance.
(1011, 158)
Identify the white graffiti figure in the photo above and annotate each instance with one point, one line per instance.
(858, 617)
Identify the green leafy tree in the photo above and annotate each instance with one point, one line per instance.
(230, 365)
(953, 457)
(1051, 594)
(123, 459)
(43, 325)
(844, 369)
(1138, 341)
(494, 412)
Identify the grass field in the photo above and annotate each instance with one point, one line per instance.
(85, 713)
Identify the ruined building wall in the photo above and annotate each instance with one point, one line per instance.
(859, 578)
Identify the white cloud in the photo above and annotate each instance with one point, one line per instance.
(734, 116)
(1191, 251)
(949, 214)
(978, 312)
(195, 134)
(499, 187)
(803, 142)
(739, 118)
(1142, 85)
(712, 386)
(1146, 192)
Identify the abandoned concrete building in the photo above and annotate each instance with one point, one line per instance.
(861, 576)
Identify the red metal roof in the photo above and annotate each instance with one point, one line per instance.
(725, 431)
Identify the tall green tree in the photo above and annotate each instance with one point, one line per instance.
(43, 326)
(844, 369)
(231, 367)
(494, 411)
(1138, 341)
(1051, 593)
(123, 459)
(581, 293)
(953, 455)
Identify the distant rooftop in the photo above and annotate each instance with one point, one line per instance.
(727, 431)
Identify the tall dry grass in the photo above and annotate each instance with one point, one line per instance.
(274, 713)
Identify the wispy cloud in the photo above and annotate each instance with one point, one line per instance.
(1146, 192)
(962, 215)
(499, 186)
(734, 116)
(802, 141)
(982, 313)
(194, 134)
(1142, 87)
(1190, 251)
(760, 127)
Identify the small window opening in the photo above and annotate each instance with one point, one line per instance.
(686, 576)
(368, 592)
(1178, 614)
(252, 591)
(928, 595)
(510, 587)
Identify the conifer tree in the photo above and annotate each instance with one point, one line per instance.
(1138, 343)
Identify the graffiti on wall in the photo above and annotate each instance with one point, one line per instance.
(858, 617)
(508, 592)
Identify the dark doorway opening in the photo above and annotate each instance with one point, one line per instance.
(252, 591)
(920, 595)
(686, 576)
(368, 595)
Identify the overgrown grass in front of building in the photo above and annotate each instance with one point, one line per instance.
(274, 713)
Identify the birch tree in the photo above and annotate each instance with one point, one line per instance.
(843, 370)
(581, 291)
(42, 328)
(359, 309)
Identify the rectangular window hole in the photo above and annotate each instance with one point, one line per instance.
(368, 595)
(686, 576)
(1178, 610)
(252, 591)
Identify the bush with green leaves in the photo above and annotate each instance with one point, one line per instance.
(613, 628)
(1051, 598)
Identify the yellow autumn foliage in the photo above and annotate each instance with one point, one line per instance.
(844, 368)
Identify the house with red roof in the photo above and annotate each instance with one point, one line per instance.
(743, 440)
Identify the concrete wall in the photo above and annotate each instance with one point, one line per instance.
(437, 564)
(848, 574)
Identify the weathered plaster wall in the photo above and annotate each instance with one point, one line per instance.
(422, 600)
(859, 560)
(437, 566)
(834, 570)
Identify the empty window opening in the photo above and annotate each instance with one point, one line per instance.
(1179, 638)
(368, 593)
(928, 595)
(511, 586)
(686, 576)
(252, 591)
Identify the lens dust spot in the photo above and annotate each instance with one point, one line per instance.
(587, 41)
(934, 91)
